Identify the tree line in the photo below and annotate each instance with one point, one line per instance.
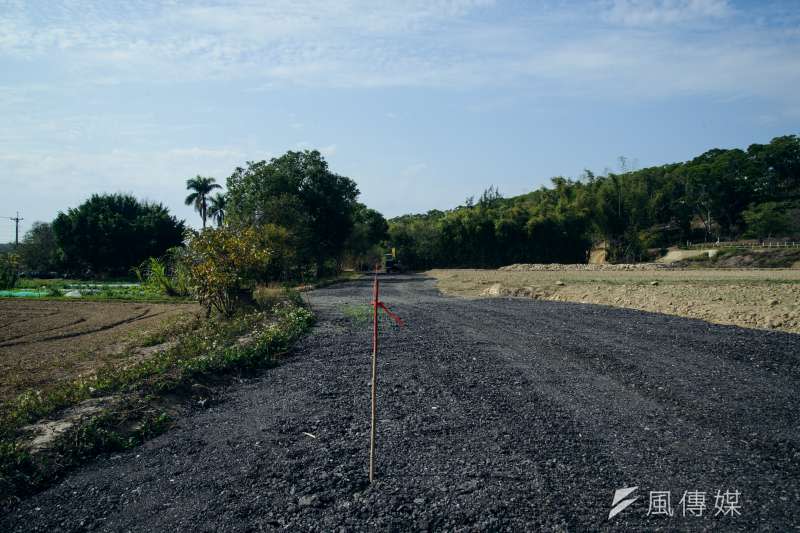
(312, 222)
(719, 195)
(307, 216)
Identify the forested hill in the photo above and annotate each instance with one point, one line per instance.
(721, 194)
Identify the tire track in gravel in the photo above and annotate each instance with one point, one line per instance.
(504, 414)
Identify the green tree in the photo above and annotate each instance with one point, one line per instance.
(769, 219)
(633, 211)
(775, 168)
(111, 233)
(217, 208)
(39, 251)
(369, 230)
(299, 192)
(201, 187)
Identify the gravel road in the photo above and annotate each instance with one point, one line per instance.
(494, 414)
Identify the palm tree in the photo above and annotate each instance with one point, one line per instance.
(201, 187)
(216, 210)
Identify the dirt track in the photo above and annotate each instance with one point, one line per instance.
(495, 413)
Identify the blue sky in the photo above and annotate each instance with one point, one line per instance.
(423, 103)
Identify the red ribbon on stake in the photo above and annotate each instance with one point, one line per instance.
(392, 315)
(376, 305)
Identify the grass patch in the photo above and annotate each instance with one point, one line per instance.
(358, 313)
(134, 291)
(214, 347)
(169, 329)
(266, 297)
(22, 472)
(361, 314)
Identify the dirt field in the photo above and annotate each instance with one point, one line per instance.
(42, 342)
(766, 299)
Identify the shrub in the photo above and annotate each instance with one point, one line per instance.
(54, 292)
(168, 275)
(225, 264)
(9, 271)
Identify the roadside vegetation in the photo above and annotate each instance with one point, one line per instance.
(138, 399)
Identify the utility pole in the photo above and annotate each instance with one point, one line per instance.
(16, 220)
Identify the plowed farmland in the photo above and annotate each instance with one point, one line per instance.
(42, 342)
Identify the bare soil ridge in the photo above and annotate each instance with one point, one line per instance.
(753, 298)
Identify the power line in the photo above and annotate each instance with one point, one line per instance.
(16, 220)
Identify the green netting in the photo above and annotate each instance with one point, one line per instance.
(22, 293)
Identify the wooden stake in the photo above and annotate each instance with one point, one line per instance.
(374, 379)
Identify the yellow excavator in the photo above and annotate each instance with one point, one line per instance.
(390, 262)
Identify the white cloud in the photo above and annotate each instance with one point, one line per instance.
(609, 47)
(653, 12)
(118, 168)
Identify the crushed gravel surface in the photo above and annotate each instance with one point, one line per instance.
(510, 414)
